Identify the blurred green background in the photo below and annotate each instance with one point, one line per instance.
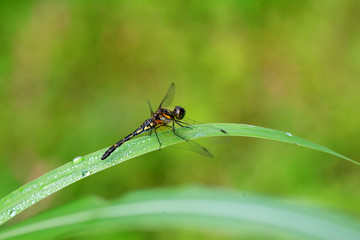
(75, 77)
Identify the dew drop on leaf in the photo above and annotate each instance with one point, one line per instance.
(85, 173)
(77, 160)
(12, 213)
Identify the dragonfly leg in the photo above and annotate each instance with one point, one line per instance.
(180, 124)
(157, 137)
(173, 128)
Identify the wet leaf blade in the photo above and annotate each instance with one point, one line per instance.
(79, 168)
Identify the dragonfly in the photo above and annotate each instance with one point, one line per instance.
(164, 117)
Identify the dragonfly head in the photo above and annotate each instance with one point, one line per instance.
(179, 112)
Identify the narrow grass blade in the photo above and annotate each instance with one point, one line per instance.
(82, 167)
(194, 208)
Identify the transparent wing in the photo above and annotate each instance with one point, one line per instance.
(193, 146)
(189, 122)
(168, 97)
(188, 144)
(151, 111)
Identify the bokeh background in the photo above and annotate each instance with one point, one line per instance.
(75, 77)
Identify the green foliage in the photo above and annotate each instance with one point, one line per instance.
(193, 208)
(75, 76)
(82, 167)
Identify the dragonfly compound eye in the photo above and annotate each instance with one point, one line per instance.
(179, 112)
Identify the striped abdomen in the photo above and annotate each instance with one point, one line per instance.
(146, 126)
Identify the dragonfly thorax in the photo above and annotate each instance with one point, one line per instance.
(179, 112)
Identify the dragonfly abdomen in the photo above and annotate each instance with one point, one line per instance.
(146, 126)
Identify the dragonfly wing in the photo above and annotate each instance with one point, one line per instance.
(168, 97)
(189, 122)
(189, 145)
(193, 146)
(151, 111)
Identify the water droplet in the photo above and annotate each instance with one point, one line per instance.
(77, 160)
(85, 173)
(12, 213)
(289, 134)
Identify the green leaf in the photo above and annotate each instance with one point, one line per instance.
(198, 209)
(82, 167)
